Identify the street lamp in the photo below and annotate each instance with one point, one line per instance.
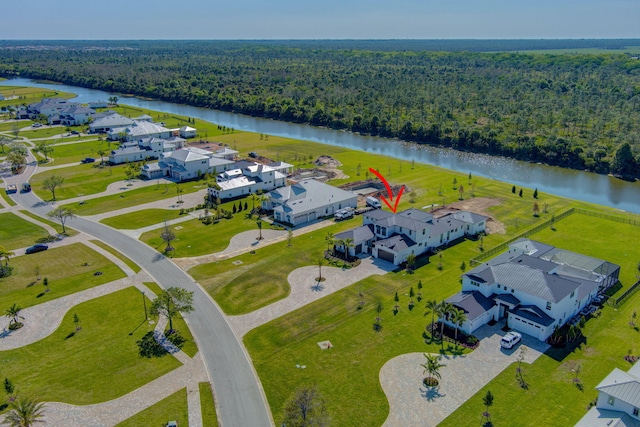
(144, 302)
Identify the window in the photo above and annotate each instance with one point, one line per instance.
(612, 400)
(512, 290)
(548, 305)
(498, 286)
(635, 411)
(572, 294)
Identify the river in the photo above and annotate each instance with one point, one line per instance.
(579, 185)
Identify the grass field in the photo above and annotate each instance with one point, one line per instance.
(17, 232)
(142, 218)
(348, 375)
(6, 200)
(172, 408)
(28, 95)
(132, 265)
(261, 278)
(65, 268)
(98, 363)
(55, 225)
(193, 238)
(128, 198)
(70, 153)
(208, 406)
(79, 180)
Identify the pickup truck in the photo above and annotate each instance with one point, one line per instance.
(11, 188)
(345, 213)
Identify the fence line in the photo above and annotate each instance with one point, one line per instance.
(625, 296)
(502, 246)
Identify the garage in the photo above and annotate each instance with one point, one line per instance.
(524, 325)
(387, 256)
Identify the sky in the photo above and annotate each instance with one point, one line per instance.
(320, 19)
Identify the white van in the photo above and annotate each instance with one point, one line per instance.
(373, 202)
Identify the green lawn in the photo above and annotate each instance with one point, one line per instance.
(208, 406)
(55, 225)
(138, 196)
(70, 153)
(172, 408)
(132, 265)
(347, 375)
(195, 238)
(44, 132)
(98, 363)
(261, 278)
(65, 268)
(7, 200)
(17, 232)
(141, 218)
(29, 95)
(79, 180)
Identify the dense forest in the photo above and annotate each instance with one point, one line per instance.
(579, 111)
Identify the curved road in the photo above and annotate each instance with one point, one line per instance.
(239, 396)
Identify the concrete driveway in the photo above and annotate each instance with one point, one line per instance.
(411, 404)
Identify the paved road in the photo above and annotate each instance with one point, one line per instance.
(239, 396)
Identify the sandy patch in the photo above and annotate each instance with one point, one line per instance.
(479, 205)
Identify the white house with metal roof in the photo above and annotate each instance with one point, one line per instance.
(246, 178)
(307, 201)
(187, 163)
(618, 403)
(108, 122)
(536, 287)
(138, 130)
(144, 149)
(412, 231)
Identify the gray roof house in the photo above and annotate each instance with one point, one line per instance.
(618, 403)
(109, 122)
(307, 201)
(138, 130)
(535, 290)
(245, 178)
(416, 232)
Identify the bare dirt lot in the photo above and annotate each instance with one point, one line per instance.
(479, 205)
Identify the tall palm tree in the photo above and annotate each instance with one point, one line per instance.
(25, 412)
(458, 317)
(320, 262)
(13, 313)
(330, 239)
(347, 243)
(443, 310)
(432, 306)
(432, 366)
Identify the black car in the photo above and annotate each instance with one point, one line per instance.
(36, 248)
(88, 160)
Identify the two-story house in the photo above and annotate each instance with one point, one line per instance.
(246, 178)
(618, 403)
(396, 236)
(536, 287)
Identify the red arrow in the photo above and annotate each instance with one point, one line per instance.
(389, 191)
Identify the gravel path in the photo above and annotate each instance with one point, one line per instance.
(411, 404)
(305, 289)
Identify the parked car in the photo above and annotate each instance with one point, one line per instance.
(11, 188)
(345, 213)
(25, 188)
(74, 132)
(253, 154)
(88, 160)
(36, 248)
(373, 202)
(36, 125)
(510, 339)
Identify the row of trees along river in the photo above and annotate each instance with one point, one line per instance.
(578, 111)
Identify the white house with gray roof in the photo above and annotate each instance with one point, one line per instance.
(536, 287)
(144, 149)
(244, 179)
(138, 130)
(187, 163)
(412, 231)
(307, 201)
(108, 122)
(618, 403)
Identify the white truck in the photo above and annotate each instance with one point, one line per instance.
(373, 202)
(345, 213)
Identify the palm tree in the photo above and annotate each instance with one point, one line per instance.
(331, 240)
(432, 369)
(458, 317)
(320, 262)
(4, 253)
(25, 412)
(259, 223)
(487, 401)
(347, 243)
(13, 313)
(432, 306)
(443, 310)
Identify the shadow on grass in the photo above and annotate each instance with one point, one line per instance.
(136, 328)
(560, 353)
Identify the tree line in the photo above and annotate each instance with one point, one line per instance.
(572, 110)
